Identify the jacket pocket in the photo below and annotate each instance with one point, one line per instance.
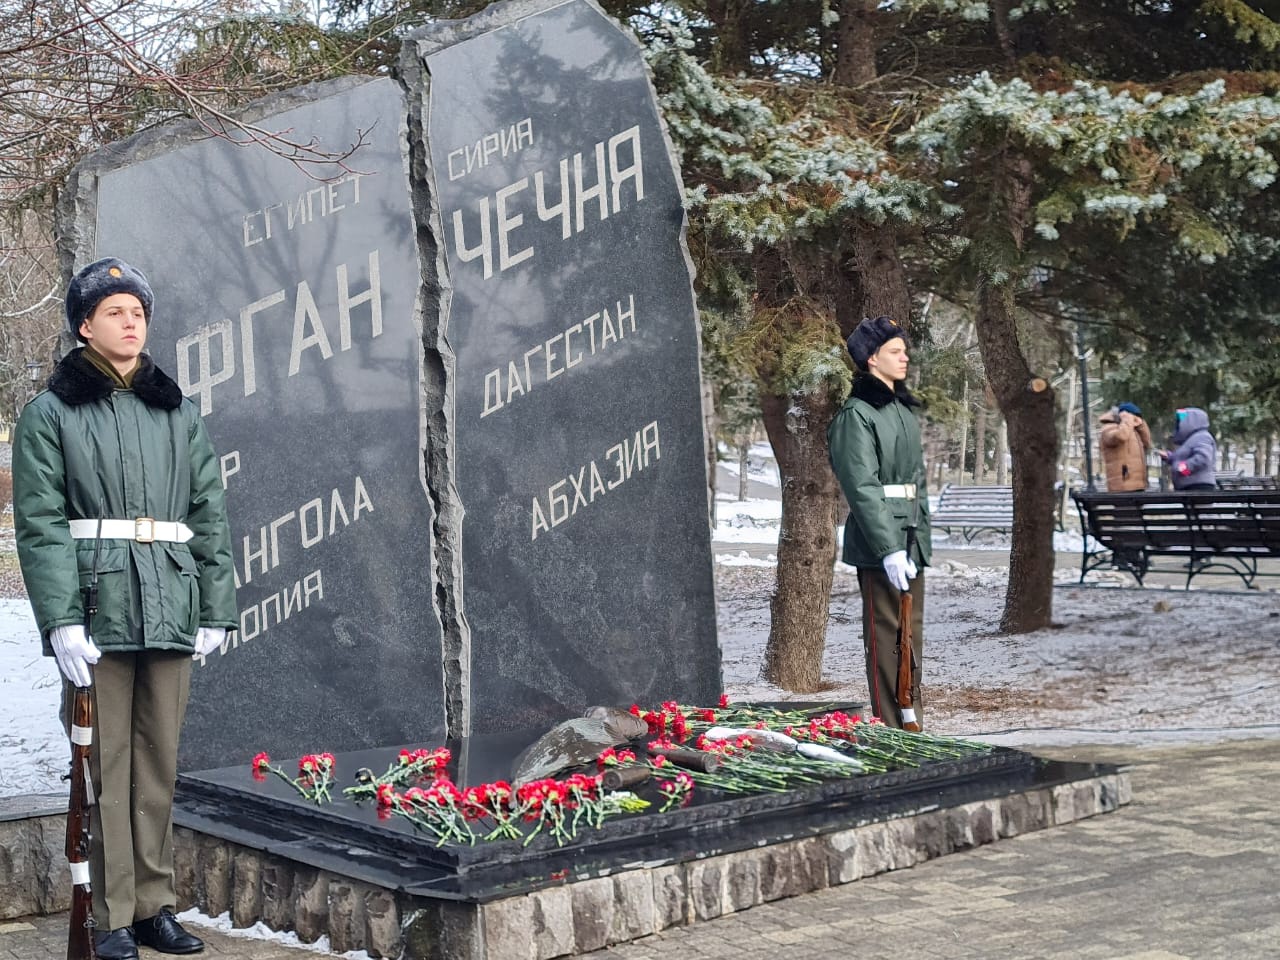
(186, 596)
(110, 622)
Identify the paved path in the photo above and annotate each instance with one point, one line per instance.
(1187, 872)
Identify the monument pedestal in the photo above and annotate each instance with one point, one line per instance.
(254, 851)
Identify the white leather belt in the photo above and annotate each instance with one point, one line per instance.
(900, 491)
(143, 530)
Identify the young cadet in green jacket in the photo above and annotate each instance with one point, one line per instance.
(876, 453)
(113, 448)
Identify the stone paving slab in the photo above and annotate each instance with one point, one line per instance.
(1187, 871)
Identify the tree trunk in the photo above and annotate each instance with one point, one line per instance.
(797, 428)
(980, 442)
(869, 280)
(855, 43)
(1027, 403)
(711, 424)
(879, 281)
(1064, 472)
(1003, 29)
(1002, 451)
(733, 35)
(744, 461)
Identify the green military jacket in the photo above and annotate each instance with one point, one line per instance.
(86, 444)
(874, 441)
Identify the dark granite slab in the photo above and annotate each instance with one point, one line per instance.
(285, 307)
(455, 386)
(568, 316)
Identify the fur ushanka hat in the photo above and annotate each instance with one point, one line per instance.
(872, 334)
(99, 280)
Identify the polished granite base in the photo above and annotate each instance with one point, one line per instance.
(390, 852)
(262, 852)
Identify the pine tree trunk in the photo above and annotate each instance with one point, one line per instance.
(881, 280)
(855, 43)
(733, 34)
(797, 428)
(1027, 403)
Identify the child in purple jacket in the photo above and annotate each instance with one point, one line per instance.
(1195, 453)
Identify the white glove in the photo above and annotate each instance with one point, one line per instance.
(899, 569)
(74, 652)
(208, 639)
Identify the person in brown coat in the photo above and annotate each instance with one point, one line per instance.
(1124, 440)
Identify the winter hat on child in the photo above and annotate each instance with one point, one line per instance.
(102, 279)
(872, 334)
(1127, 407)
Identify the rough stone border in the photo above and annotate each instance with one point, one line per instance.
(577, 917)
(34, 878)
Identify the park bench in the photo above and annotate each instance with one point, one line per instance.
(973, 509)
(1222, 529)
(1239, 481)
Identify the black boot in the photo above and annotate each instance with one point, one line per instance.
(117, 944)
(164, 933)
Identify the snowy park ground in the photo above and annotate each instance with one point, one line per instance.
(1120, 665)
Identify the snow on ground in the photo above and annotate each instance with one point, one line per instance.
(761, 467)
(33, 747)
(260, 931)
(1119, 665)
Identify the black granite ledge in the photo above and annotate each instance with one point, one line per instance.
(349, 838)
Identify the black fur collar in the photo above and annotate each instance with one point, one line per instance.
(873, 390)
(75, 381)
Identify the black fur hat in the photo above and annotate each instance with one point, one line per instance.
(872, 334)
(99, 280)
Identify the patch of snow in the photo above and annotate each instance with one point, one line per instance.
(742, 559)
(260, 931)
(761, 465)
(746, 521)
(33, 745)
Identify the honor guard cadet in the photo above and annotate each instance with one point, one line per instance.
(877, 456)
(114, 477)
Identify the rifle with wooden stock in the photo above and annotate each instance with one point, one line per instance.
(80, 945)
(905, 650)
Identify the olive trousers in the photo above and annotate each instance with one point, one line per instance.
(140, 700)
(880, 606)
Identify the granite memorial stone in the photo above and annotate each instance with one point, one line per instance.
(454, 383)
(577, 449)
(285, 308)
